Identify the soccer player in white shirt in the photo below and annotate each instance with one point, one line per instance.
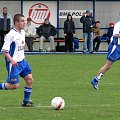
(13, 49)
(112, 56)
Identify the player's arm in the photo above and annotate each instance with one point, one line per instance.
(7, 55)
(6, 48)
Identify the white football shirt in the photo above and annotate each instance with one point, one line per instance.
(14, 43)
(116, 31)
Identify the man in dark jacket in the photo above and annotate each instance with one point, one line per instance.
(109, 33)
(69, 32)
(88, 22)
(46, 32)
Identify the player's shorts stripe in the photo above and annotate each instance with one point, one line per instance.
(113, 49)
(10, 68)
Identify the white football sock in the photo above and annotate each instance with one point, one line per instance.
(99, 76)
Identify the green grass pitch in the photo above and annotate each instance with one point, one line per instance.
(67, 76)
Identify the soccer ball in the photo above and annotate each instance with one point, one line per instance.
(57, 103)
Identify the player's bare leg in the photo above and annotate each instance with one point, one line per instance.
(8, 86)
(106, 67)
(101, 72)
(11, 86)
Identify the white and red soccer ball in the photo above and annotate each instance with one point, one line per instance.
(58, 103)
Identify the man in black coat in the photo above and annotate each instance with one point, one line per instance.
(47, 32)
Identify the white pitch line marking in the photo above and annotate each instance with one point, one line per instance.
(72, 106)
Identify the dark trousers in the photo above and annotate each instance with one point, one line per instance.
(29, 42)
(2, 35)
(108, 41)
(96, 43)
(69, 42)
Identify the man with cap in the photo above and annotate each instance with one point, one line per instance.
(88, 22)
(46, 32)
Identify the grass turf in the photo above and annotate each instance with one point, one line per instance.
(67, 76)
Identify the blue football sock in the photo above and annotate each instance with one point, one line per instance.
(27, 93)
(2, 86)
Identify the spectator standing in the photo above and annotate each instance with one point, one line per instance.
(69, 32)
(96, 36)
(5, 25)
(88, 22)
(47, 32)
(30, 32)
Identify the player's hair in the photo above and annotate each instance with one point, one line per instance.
(17, 18)
(4, 8)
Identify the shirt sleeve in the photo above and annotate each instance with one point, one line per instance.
(7, 43)
(33, 30)
(26, 31)
(116, 30)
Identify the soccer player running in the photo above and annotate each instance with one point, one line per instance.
(112, 55)
(13, 49)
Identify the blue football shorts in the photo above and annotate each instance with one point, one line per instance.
(23, 69)
(113, 52)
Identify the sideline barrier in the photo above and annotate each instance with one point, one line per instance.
(61, 47)
(47, 53)
(56, 40)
